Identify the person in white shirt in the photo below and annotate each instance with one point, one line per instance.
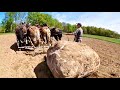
(78, 33)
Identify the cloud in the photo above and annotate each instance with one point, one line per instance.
(108, 20)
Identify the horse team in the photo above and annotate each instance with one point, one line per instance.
(37, 35)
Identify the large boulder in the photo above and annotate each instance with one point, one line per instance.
(67, 59)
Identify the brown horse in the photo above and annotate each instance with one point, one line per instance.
(34, 34)
(45, 33)
(21, 32)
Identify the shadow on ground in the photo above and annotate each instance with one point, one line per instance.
(42, 70)
(14, 47)
(27, 51)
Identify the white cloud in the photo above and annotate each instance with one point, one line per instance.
(60, 17)
(108, 20)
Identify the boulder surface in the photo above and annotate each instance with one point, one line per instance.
(67, 59)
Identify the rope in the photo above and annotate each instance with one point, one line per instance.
(56, 52)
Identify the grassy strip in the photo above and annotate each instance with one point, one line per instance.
(5, 33)
(113, 40)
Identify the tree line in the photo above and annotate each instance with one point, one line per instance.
(93, 31)
(11, 20)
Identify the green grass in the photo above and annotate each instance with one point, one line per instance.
(113, 40)
(5, 33)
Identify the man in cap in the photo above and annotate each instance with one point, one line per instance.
(78, 33)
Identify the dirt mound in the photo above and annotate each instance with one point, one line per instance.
(19, 65)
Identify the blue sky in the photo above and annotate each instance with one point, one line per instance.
(108, 20)
(2, 15)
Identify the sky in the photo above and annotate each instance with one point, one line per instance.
(108, 20)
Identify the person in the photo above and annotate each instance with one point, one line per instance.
(78, 33)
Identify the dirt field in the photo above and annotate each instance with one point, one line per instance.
(18, 65)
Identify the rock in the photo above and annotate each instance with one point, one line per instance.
(67, 59)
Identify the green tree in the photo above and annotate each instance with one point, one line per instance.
(40, 18)
(9, 22)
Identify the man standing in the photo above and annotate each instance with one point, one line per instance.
(78, 33)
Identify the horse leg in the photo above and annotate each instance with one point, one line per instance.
(43, 38)
(51, 38)
(60, 36)
(55, 36)
(47, 39)
(42, 45)
(43, 49)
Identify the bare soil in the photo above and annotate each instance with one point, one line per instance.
(16, 64)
